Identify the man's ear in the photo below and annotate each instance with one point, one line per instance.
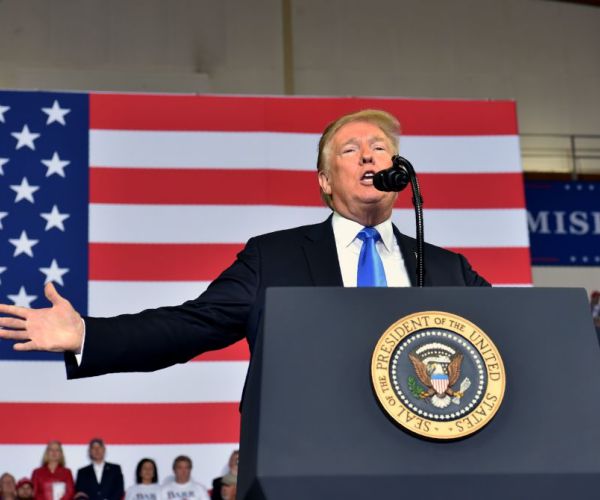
(324, 182)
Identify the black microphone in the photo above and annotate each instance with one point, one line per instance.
(395, 178)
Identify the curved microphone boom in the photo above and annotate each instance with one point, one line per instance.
(396, 178)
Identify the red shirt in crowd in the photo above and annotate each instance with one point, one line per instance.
(43, 479)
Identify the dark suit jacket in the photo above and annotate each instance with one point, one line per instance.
(110, 488)
(232, 306)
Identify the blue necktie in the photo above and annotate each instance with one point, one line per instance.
(370, 267)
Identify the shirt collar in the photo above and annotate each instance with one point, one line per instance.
(346, 230)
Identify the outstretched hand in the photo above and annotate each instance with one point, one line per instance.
(55, 329)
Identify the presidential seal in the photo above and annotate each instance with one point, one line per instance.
(438, 375)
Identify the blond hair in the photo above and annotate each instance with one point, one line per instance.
(387, 122)
(45, 458)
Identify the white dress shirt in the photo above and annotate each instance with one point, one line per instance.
(348, 249)
(98, 470)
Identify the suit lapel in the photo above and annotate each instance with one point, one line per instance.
(321, 255)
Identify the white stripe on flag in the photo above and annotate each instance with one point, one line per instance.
(463, 228)
(109, 298)
(290, 151)
(184, 383)
(222, 224)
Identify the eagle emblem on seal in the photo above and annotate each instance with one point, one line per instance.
(437, 367)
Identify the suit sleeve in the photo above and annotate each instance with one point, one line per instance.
(470, 276)
(119, 488)
(157, 338)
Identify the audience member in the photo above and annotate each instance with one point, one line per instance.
(183, 487)
(8, 488)
(100, 480)
(53, 481)
(146, 478)
(229, 486)
(232, 468)
(595, 305)
(24, 489)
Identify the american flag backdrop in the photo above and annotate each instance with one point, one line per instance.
(133, 201)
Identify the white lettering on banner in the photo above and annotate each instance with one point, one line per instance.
(578, 223)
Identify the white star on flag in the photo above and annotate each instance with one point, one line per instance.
(2, 269)
(3, 161)
(54, 273)
(2, 215)
(23, 244)
(3, 109)
(54, 219)
(25, 138)
(56, 113)
(24, 191)
(22, 299)
(55, 165)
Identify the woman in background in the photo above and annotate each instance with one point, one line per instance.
(146, 478)
(8, 487)
(53, 481)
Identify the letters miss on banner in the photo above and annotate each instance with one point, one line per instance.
(564, 223)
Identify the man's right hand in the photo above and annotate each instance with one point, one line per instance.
(56, 329)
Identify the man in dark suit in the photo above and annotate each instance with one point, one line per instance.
(100, 480)
(351, 150)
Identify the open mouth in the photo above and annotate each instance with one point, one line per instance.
(368, 176)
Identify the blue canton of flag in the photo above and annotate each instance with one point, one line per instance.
(43, 201)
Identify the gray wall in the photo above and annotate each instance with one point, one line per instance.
(544, 54)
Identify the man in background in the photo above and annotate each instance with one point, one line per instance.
(183, 487)
(100, 480)
(232, 471)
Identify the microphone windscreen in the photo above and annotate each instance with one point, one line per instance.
(391, 179)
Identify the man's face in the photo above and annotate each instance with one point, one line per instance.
(228, 492)
(97, 452)
(25, 491)
(182, 471)
(356, 152)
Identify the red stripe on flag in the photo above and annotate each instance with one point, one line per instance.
(471, 191)
(203, 262)
(235, 352)
(179, 262)
(500, 265)
(295, 114)
(204, 186)
(164, 423)
(272, 187)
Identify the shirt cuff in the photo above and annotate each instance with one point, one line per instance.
(79, 355)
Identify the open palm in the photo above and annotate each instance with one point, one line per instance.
(58, 328)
